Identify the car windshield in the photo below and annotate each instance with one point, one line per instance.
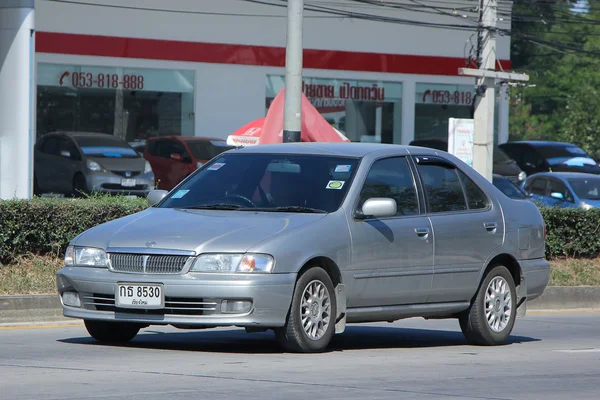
(207, 149)
(267, 182)
(508, 188)
(105, 147)
(586, 188)
(570, 155)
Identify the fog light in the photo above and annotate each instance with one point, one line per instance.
(235, 306)
(71, 299)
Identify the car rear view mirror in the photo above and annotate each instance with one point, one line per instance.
(65, 153)
(379, 208)
(156, 196)
(557, 196)
(285, 167)
(176, 156)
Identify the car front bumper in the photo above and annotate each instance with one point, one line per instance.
(191, 300)
(106, 182)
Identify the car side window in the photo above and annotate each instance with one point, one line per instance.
(67, 144)
(50, 146)
(559, 187)
(538, 186)
(443, 188)
(476, 198)
(392, 178)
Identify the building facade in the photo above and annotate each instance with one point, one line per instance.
(205, 68)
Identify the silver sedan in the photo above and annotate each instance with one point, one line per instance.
(305, 238)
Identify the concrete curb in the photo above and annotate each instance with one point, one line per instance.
(37, 308)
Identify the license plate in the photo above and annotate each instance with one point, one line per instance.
(132, 295)
(128, 182)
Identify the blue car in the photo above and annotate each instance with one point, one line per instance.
(564, 189)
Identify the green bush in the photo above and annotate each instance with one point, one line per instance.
(45, 225)
(572, 232)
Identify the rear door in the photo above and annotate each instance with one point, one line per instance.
(467, 226)
(392, 257)
(158, 156)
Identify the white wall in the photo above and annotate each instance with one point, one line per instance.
(321, 31)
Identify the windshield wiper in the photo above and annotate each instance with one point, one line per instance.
(216, 206)
(298, 209)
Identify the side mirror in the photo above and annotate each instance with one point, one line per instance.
(155, 196)
(65, 153)
(176, 157)
(557, 196)
(379, 208)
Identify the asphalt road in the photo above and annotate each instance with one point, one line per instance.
(551, 356)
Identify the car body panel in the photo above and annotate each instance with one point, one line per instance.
(386, 271)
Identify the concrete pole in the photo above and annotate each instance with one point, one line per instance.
(503, 114)
(292, 122)
(17, 98)
(483, 141)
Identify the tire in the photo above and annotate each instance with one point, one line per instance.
(111, 332)
(79, 186)
(474, 322)
(292, 336)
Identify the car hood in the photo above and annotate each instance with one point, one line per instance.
(192, 230)
(120, 164)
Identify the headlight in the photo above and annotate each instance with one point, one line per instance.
(94, 166)
(586, 206)
(86, 257)
(199, 164)
(522, 176)
(147, 167)
(228, 263)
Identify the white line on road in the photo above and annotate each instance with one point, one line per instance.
(578, 351)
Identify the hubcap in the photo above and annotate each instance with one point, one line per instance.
(315, 310)
(498, 304)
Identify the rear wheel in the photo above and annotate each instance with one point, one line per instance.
(491, 318)
(111, 332)
(311, 320)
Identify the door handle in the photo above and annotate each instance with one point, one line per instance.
(490, 226)
(422, 232)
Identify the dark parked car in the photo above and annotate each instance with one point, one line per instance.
(173, 158)
(503, 164)
(546, 156)
(565, 189)
(509, 188)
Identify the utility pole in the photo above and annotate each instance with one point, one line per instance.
(292, 108)
(486, 75)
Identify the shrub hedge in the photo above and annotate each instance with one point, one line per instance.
(45, 226)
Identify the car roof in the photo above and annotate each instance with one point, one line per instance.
(543, 143)
(187, 138)
(81, 134)
(331, 148)
(563, 175)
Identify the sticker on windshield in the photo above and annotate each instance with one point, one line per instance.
(179, 194)
(216, 166)
(343, 168)
(337, 185)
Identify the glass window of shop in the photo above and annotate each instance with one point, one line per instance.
(131, 103)
(365, 111)
(436, 103)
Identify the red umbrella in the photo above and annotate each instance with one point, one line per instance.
(247, 135)
(315, 128)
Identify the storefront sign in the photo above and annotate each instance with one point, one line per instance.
(460, 139)
(343, 91)
(101, 80)
(458, 95)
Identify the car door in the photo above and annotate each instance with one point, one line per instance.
(68, 164)
(559, 195)
(392, 257)
(159, 158)
(537, 188)
(52, 165)
(467, 226)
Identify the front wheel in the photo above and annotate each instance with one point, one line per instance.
(491, 317)
(311, 320)
(111, 332)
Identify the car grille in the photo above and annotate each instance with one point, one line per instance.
(173, 305)
(124, 174)
(116, 186)
(147, 264)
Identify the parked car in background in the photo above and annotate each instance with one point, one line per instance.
(509, 188)
(565, 189)
(546, 156)
(175, 157)
(502, 164)
(303, 238)
(75, 163)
